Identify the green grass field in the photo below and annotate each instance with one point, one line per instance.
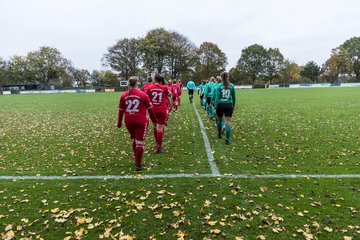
(287, 131)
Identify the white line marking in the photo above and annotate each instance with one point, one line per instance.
(170, 176)
(214, 168)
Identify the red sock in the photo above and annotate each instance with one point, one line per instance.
(134, 147)
(139, 154)
(159, 139)
(155, 133)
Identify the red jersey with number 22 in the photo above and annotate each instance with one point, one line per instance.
(158, 94)
(135, 104)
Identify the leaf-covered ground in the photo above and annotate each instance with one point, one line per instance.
(181, 209)
(306, 131)
(76, 134)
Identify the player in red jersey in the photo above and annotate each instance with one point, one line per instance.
(180, 84)
(175, 94)
(146, 85)
(170, 103)
(159, 95)
(134, 104)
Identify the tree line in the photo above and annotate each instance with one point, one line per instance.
(177, 57)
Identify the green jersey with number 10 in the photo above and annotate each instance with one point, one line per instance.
(224, 95)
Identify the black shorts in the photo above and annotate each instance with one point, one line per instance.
(191, 91)
(208, 100)
(224, 109)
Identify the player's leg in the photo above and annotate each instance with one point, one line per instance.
(228, 114)
(191, 92)
(160, 128)
(219, 114)
(140, 136)
(131, 130)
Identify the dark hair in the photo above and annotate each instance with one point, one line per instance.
(224, 78)
(159, 78)
(149, 80)
(174, 81)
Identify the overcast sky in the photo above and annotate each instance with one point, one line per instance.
(82, 30)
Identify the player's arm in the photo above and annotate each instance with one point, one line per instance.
(169, 96)
(149, 108)
(121, 111)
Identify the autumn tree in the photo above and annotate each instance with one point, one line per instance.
(108, 78)
(253, 62)
(290, 72)
(3, 72)
(19, 71)
(352, 47)
(46, 65)
(156, 49)
(339, 63)
(211, 61)
(273, 65)
(124, 57)
(310, 71)
(182, 56)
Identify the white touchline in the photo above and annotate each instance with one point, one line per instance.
(173, 176)
(214, 168)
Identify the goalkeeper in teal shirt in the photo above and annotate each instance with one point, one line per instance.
(224, 105)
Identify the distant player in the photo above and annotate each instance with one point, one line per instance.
(134, 104)
(224, 105)
(201, 90)
(149, 82)
(208, 96)
(175, 91)
(191, 88)
(159, 95)
(180, 84)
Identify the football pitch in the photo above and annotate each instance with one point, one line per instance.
(292, 170)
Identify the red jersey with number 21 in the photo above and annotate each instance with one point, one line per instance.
(135, 103)
(158, 94)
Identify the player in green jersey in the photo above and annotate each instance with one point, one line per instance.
(208, 97)
(225, 100)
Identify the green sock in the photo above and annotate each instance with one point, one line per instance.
(222, 122)
(227, 131)
(219, 127)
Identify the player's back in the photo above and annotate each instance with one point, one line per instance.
(135, 104)
(158, 94)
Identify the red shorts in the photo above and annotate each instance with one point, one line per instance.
(137, 129)
(161, 115)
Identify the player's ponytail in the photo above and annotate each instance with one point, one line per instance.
(224, 77)
(133, 80)
(159, 79)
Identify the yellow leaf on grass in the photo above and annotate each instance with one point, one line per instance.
(212, 223)
(328, 229)
(215, 231)
(176, 213)
(158, 216)
(8, 227)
